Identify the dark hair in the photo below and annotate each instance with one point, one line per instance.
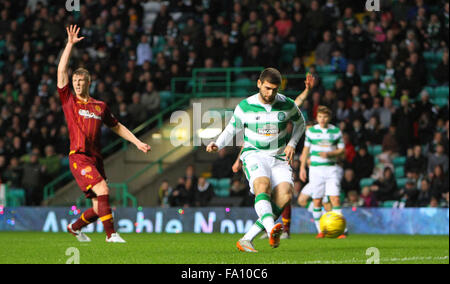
(271, 75)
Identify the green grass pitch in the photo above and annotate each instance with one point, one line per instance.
(188, 248)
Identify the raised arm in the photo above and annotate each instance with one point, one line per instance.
(309, 84)
(72, 39)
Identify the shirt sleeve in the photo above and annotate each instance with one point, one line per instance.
(234, 127)
(307, 139)
(108, 118)
(64, 94)
(340, 141)
(298, 127)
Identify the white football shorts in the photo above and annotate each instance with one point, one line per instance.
(276, 169)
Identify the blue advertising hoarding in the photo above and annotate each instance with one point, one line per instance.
(411, 221)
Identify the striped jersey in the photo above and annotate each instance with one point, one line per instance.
(264, 126)
(323, 140)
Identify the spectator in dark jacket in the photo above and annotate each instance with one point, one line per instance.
(32, 177)
(439, 182)
(363, 164)
(385, 188)
(349, 182)
(417, 163)
(221, 167)
(203, 192)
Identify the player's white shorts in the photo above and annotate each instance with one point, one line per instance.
(308, 190)
(257, 165)
(324, 181)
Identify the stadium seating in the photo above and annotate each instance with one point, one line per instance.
(441, 92)
(399, 161)
(379, 67)
(166, 99)
(366, 182)
(329, 80)
(400, 172)
(327, 69)
(366, 78)
(375, 150)
(389, 203)
(288, 52)
(221, 186)
(16, 197)
(401, 182)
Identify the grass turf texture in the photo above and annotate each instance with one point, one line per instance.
(32, 247)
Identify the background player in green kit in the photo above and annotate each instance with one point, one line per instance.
(323, 144)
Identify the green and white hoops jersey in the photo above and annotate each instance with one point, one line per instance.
(264, 126)
(323, 140)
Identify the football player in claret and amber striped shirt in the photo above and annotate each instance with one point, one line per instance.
(85, 116)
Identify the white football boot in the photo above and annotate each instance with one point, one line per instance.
(81, 237)
(115, 238)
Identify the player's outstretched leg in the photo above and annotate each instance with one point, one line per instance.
(258, 227)
(87, 217)
(105, 213)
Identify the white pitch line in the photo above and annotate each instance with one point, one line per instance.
(395, 259)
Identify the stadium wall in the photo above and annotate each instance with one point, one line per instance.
(411, 221)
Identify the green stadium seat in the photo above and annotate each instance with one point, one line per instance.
(222, 188)
(441, 102)
(375, 150)
(244, 83)
(430, 56)
(399, 161)
(430, 90)
(213, 181)
(238, 61)
(401, 182)
(441, 92)
(366, 78)
(329, 80)
(366, 182)
(388, 204)
(380, 67)
(288, 52)
(166, 99)
(324, 69)
(400, 172)
(15, 197)
(240, 93)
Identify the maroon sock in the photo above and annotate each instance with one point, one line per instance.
(286, 218)
(86, 218)
(105, 214)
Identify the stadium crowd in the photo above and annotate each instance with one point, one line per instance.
(133, 48)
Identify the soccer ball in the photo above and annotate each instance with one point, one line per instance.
(332, 224)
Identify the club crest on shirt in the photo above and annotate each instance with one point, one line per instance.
(281, 116)
(86, 114)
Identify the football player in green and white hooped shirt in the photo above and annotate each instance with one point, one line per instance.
(267, 153)
(324, 144)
